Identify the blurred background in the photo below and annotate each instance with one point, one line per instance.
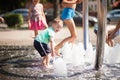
(53, 9)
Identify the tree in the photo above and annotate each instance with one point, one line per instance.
(8, 5)
(56, 8)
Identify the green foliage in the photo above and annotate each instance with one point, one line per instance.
(14, 20)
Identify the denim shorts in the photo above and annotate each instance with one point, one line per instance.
(42, 48)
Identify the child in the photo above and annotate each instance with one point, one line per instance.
(67, 16)
(42, 39)
(36, 17)
(112, 32)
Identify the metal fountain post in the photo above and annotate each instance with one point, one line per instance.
(101, 38)
(85, 24)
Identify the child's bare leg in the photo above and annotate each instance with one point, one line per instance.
(47, 59)
(44, 61)
(71, 26)
(36, 32)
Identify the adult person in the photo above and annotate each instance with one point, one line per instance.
(111, 33)
(67, 16)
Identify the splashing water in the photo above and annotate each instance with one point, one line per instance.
(90, 55)
(60, 68)
(76, 55)
(73, 54)
(112, 54)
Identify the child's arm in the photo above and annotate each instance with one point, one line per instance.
(29, 17)
(52, 44)
(43, 14)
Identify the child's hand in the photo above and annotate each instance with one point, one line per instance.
(53, 54)
(46, 26)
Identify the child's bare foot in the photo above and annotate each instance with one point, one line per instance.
(43, 64)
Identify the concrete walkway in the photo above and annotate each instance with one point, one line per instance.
(24, 37)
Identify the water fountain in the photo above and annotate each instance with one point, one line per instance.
(112, 54)
(60, 67)
(75, 55)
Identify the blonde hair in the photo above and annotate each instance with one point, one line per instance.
(57, 20)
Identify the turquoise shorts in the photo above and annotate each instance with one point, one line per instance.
(67, 13)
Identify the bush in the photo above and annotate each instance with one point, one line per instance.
(13, 20)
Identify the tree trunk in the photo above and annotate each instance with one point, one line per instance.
(101, 36)
(56, 12)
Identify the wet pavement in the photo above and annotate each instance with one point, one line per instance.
(23, 63)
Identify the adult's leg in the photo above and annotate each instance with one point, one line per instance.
(71, 26)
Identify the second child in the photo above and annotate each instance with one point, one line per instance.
(36, 17)
(42, 40)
